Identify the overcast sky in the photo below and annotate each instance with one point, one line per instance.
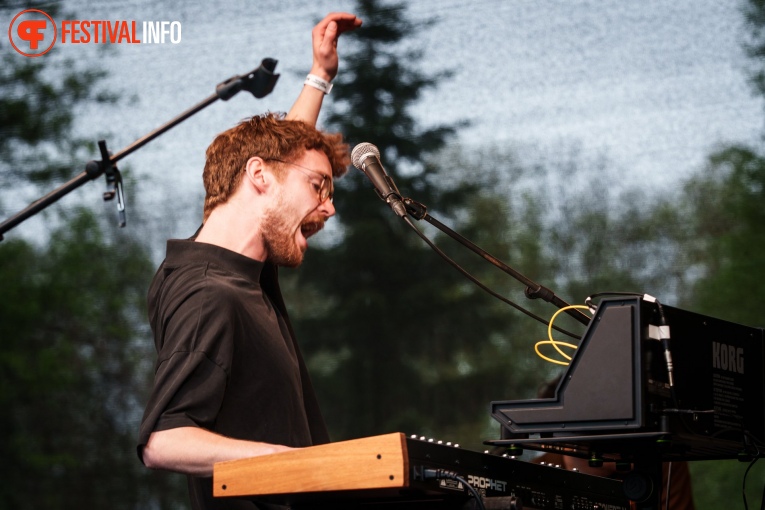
(653, 85)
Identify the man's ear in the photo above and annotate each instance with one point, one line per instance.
(256, 175)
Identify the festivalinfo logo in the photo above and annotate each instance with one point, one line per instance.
(33, 32)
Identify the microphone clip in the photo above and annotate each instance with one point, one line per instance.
(417, 210)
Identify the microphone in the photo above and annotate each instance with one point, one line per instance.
(366, 157)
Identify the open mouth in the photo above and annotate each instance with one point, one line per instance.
(309, 228)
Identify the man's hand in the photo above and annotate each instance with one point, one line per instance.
(324, 36)
(324, 39)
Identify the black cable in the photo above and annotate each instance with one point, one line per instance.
(481, 285)
(743, 485)
(439, 474)
(533, 289)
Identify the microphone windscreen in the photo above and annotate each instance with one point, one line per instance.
(361, 152)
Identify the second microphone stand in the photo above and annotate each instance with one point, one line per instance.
(260, 82)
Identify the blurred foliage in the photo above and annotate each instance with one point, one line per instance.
(754, 15)
(400, 341)
(726, 205)
(727, 219)
(728, 214)
(396, 339)
(75, 354)
(37, 109)
(71, 316)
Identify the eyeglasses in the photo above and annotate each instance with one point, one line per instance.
(325, 190)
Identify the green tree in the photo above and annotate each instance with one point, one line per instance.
(754, 15)
(728, 222)
(611, 240)
(700, 249)
(729, 225)
(396, 339)
(37, 110)
(74, 351)
(71, 341)
(727, 215)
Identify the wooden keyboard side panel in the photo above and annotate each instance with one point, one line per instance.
(368, 463)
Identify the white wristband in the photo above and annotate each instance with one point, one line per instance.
(317, 83)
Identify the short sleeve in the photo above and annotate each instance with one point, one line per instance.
(189, 389)
(197, 330)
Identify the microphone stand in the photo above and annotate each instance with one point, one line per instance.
(533, 289)
(259, 82)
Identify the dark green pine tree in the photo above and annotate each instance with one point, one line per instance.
(726, 216)
(729, 222)
(726, 202)
(397, 340)
(727, 219)
(75, 355)
(71, 367)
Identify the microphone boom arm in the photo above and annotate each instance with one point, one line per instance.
(259, 82)
(533, 289)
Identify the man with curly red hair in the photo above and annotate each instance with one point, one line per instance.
(230, 381)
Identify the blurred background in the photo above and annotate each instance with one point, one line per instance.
(592, 146)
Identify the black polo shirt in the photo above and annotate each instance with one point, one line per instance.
(227, 360)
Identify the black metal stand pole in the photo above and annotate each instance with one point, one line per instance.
(259, 82)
